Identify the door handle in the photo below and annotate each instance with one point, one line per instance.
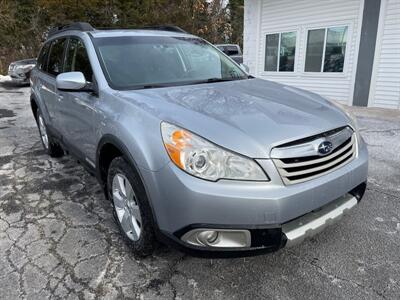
(60, 98)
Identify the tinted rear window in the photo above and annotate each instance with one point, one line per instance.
(232, 50)
(229, 50)
(43, 55)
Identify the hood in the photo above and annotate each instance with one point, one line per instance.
(246, 116)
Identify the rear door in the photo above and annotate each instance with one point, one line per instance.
(77, 109)
(39, 77)
(47, 83)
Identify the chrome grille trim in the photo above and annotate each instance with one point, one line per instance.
(310, 148)
(297, 169)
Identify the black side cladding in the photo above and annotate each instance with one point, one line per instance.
(359, 191)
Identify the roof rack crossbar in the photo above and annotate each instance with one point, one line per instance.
(80, 26)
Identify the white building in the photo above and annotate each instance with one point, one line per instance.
(345, 50)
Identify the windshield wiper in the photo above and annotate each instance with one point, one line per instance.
(161, 85)
(216, 79)
(153, 86)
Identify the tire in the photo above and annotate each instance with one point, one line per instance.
(135, 220)
(51, 147)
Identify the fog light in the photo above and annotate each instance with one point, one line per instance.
(218, 238)
(207, 237)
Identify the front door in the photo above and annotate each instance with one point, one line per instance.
(77, 109)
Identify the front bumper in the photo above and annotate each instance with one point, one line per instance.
(18, 77)
(182, 202)
(270, 239)
(316, 221)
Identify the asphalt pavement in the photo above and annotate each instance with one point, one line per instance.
(58, 238)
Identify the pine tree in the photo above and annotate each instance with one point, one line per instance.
(24, 23)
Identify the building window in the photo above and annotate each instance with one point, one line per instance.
(326, 49)
(280, 50)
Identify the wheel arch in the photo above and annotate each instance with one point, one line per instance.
(108, 148)
(34, 106)
(111, 143)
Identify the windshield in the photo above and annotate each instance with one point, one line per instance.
(143, 62)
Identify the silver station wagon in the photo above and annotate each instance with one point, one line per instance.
(189, 148)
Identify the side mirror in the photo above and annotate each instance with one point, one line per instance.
(244, 67)
(71, 81)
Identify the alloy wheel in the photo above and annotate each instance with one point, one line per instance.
(126, 207)
(43, 132)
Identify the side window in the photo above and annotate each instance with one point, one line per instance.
(232, 50)
(55, 65)
(280, 51)
(335, 49)
(315, 49)
(77, 59)
(326, 49)
(42, 58)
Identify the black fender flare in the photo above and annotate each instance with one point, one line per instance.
(113, 140)
(32, 99)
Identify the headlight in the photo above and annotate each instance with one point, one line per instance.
(206, 160)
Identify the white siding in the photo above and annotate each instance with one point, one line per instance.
(250, 32)
(385, 83)
(299, 16)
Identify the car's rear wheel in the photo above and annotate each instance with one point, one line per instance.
(51, 147)
(132, 211)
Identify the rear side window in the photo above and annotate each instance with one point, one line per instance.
(231, 50)
(43, 55)
(55, 65)
(77, 59)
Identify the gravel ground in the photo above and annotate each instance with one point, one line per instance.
(58, 238)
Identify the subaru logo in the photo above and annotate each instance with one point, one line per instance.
(325, 147)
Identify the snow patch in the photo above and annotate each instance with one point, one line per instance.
(5, 78)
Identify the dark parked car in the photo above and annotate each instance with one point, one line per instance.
(233, 51)
(20, 71)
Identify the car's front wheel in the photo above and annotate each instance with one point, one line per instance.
(132, 211)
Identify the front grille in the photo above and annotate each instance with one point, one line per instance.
(299, 169)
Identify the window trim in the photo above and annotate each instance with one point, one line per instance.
(67, 37)
(288, 73)
(346, 53)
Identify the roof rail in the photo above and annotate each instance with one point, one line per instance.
(80, 26)
(165, 28)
